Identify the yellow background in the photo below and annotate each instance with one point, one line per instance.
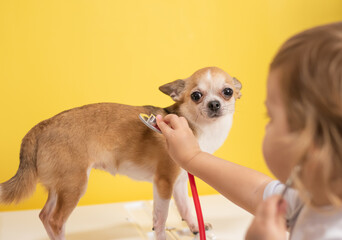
(56, 55)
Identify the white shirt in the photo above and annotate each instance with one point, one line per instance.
(305, 222)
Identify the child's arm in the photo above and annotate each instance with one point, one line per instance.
(241, 185)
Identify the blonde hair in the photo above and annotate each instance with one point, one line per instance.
(311, 86)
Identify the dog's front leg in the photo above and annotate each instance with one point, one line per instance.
(183, 203)
(182, 200)
(162, 191)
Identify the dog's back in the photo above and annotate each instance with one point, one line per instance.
(62, 150)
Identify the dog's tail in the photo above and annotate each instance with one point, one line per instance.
(24, 182)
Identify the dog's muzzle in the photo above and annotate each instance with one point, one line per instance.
(214, 109)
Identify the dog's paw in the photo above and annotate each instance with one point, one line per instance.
(195, 229)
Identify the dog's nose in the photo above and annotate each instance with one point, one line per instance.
(214, 106)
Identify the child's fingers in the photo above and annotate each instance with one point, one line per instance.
(269, 221)
(165, 129)
(265, 210)
(184, 122)
(282, 206)
(270, 208)
(173, 120)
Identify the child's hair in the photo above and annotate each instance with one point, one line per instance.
(311, 85)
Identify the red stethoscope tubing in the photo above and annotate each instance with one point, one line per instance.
(197, 207)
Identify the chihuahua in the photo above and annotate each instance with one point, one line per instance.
(60, 152)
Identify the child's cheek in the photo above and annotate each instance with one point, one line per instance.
(266, 146)
(269, 150)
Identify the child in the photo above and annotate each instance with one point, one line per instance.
(304, 103)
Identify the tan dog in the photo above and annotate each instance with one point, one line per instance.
(61, 151)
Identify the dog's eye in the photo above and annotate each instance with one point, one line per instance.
(227, 92)
(196, 96)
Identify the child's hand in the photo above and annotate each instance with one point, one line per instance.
(181, 143)
(269, 222)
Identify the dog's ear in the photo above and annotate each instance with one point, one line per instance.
(174, 89)
(237, 84)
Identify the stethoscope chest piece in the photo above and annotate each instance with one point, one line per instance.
(150, 121)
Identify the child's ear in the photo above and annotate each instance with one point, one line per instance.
(237, 84)
(174, 89)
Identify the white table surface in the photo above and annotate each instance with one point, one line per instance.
(129, 221)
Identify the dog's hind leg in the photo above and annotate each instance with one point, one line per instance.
(68, 196)
(46, 212)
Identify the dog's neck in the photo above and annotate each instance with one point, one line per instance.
(210, 135)
(173, 109)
